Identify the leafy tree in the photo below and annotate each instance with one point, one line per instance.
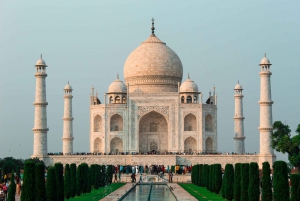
(295, 178)
(28, 193)
(266, 183)
(59, 174)
(206, 175)
(283, 142)
(51, 185)
(73, 180)
(40, 189)
(35, 161)
(237, 182)
(253, 188)
(12, 188)
(244, 181)
(89, 187)
(18, 170)
(281, 185)
(9, 166)
(218, 177)
(0, 175)
(67, 182)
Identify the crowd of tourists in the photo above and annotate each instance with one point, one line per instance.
(5, 185)
(139, 170)
(151, 153)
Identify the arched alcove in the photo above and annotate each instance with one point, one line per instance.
(97, 145)
(117, 99)
(97, 123)
(209, 144)
(153, 132)
(190, 123)
(208, 123)
(190, 145)
(116, 123)
(116, 145)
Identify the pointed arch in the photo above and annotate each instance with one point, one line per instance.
(190, 122)
(153, 132)
(117, 99)
(208, 123)
(116, 123)
(182, 99)
(209, 144)
(97, 123)
(97, 145)
(189, 99)
(190, 145)
(116, 145)
(111, 100)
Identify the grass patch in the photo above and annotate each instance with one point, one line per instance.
(98, 194)
(200, 193)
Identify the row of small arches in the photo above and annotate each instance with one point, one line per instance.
(116, 123)
(190, 145)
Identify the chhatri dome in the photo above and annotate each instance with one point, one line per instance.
(238, 86)
(68, 87)
(265, 61)
(188, 86)
(117, 86)
(40, 62)
(153, 67)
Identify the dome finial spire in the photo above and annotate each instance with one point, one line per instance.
(188, 75)
(152, 28)
(238, 81)
(41, 56)
(117, 75)
(265, 54)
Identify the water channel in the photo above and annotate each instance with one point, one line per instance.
(157, 192)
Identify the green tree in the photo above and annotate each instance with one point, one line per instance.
(203, 175)
(283, 142)
(280, 184)
(73, 180)
(97, 177)
(67, 182)
(229, 179)
(51, 185)
(199, 174)
(40, 189)
(295, 178)
(218, 177)
(253, 188)
(244, 181)
(266, 183)
(12, 188)
(28, 193)
(9, 166)
(237, 182)
(59, 173)
(78, 185)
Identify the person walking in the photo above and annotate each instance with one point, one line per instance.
(116, 178)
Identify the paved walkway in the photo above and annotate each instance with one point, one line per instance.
(117, 194)
(180, 193)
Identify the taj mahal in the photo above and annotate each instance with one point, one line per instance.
(154, 110)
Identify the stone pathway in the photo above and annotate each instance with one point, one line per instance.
(180, 193)
(117, 194)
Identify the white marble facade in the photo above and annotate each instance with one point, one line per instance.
(154, 110)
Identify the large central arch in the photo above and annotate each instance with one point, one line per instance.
(153, 132)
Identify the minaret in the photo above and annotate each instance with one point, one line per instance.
(40, 116)
(239, 144)
(266, 122)
(68, 121)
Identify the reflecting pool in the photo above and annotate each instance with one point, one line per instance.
(157, 192)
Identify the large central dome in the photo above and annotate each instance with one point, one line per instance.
(153, 67)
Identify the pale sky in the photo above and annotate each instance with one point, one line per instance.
(87, 43)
